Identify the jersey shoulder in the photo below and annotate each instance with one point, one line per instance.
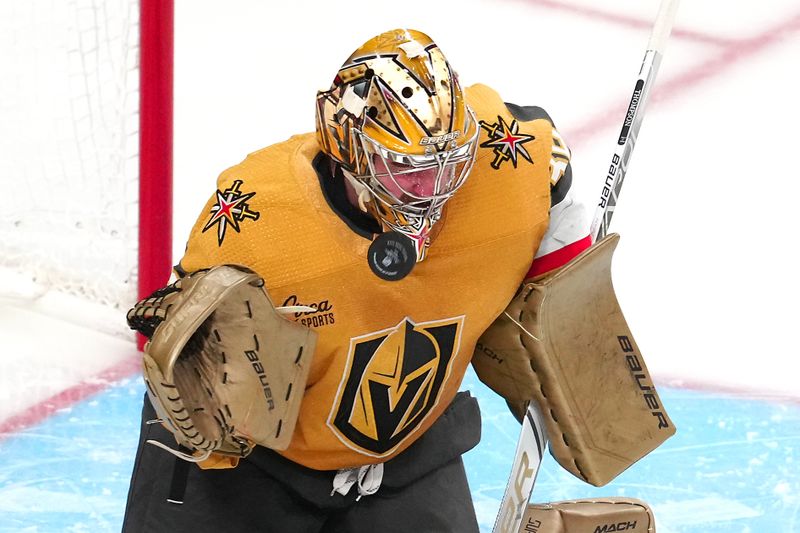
(489, 106)
(271, 172)
(513, 140)
(513, 131)
(267, 212)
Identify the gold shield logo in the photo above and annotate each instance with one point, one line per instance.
(392, 380)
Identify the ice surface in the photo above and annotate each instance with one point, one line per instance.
(732, 466)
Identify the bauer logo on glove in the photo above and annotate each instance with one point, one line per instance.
(223, 369)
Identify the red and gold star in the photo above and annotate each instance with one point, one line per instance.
(231, 208)
(506, 141)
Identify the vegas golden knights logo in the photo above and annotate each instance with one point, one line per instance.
(392, 380)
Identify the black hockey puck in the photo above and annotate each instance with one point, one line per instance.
(391, 256)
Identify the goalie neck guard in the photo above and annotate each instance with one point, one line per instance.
(396, 120)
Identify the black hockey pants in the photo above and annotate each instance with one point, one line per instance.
(424, 489)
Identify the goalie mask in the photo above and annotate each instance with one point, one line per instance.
(396, 120)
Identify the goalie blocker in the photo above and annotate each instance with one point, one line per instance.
(564, 343)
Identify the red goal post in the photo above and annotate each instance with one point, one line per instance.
(85, 154)
(155, 143)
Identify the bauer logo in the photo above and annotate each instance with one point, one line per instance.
(258, 368)
(392, 380)
(230, 210)
(506, 142)
(440, 139)
(643, 381)
(609, 183)
(519, 494)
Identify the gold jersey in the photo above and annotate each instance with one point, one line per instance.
(390, 355)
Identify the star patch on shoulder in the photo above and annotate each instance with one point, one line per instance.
(506, 142)
(230, 210)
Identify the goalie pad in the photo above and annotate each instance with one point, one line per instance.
(598, 515)
(223, 369)
(564, 343)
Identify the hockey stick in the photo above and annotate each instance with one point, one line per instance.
(530, 452)
(533, 438)
(633, 120)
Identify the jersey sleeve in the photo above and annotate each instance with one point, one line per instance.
(567, 234)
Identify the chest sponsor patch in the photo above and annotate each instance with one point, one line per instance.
(392, 380)
(321, 313)
(230, 210)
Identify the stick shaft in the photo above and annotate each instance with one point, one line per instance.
(663, 25)
(530, 452)
(618, 167)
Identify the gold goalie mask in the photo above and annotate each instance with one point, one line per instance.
(396, 121)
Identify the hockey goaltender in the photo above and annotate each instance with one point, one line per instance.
(430, 219)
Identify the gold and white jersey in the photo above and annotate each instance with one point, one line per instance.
(390, 355)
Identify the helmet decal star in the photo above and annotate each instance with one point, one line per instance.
(231, 209)
(506, 141)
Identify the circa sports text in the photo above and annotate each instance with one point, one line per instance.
(322, 314)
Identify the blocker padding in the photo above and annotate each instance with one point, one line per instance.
(586, 371)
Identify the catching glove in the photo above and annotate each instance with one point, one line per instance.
(223, 369)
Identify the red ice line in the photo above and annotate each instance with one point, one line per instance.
(731, 52)
(631, 22)
(733, 391)
(70, 396)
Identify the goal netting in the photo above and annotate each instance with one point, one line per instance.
(69, 150)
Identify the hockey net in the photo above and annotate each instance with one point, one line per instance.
(69, 152)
